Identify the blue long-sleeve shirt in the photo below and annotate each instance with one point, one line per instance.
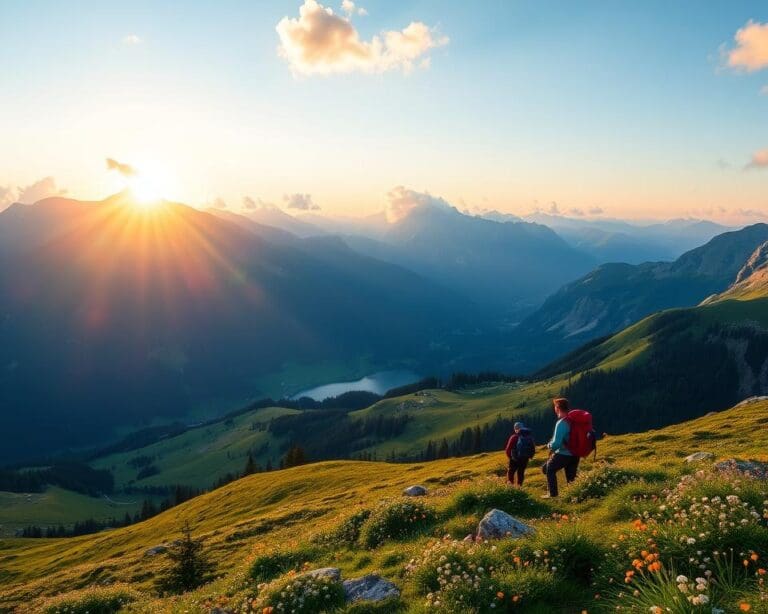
(558, 442)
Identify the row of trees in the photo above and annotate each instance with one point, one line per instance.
(72, 475)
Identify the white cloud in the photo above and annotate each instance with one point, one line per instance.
(401, 201)
(257, 203)
(44, 188)
(219, 203)
(596, 210)
(321, 42)
(30, 194)
(752, 214)
(132, 39)
(7, 196)
(302, 202)
(751, 50)
(759, 160)
(350, 8)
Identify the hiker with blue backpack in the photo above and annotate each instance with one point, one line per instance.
(520, 449)
(574, 438)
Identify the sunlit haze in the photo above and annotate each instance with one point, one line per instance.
(653, 111)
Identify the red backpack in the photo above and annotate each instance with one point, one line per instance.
(582, 440)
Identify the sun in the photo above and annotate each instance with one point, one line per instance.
(149, 182)
(147, 192)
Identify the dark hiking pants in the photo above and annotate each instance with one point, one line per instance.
(555, 464)
(517, 468)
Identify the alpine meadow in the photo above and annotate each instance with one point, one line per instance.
(362, 307)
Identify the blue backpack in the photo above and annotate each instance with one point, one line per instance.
(525, 447)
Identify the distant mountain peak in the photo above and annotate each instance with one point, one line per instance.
(757, 263)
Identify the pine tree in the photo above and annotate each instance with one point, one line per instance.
(250, 466)
(293, 457)
(189, 566)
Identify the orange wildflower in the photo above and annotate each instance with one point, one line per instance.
(500, 595)
(744, 606)
(754, 556)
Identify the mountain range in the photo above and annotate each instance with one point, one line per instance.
(191, 313)
(614, 296)
(114, 315)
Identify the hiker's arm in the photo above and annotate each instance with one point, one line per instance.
(510, 445)
(558, 439)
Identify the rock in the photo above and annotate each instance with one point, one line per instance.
(752, 468)
(415, 491)
(497, 525)
(369, 588)
(699, 456)
(334, 573)
(155, 550)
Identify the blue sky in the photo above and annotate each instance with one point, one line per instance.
(627, 107)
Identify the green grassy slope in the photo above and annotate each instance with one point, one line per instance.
(202, 454)
(282, 510)
(58, 506)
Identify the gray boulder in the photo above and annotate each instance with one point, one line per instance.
(155, 550)
(498, 525)
(752, 468)
(369, 588)
(415, 491)
(334, 573)
(697, 457)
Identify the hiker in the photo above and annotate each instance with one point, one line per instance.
(520, 449)
(561, 457)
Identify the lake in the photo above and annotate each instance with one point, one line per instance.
(377, 383)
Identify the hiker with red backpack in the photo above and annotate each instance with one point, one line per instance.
(520, 449)
(573, 439)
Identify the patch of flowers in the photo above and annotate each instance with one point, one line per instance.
(699, 547)
(297, 594)
(600, 482)
(395, 521)
(93, 600)
(460, 577)
(564, 549)
(705, 514)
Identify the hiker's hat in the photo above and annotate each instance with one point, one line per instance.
(519, 425)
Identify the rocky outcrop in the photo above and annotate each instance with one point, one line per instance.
(415, 491)
(697, 457)
(752, 468)
(758, 262)
(497, 524)
(371, 587)
(155, 550)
